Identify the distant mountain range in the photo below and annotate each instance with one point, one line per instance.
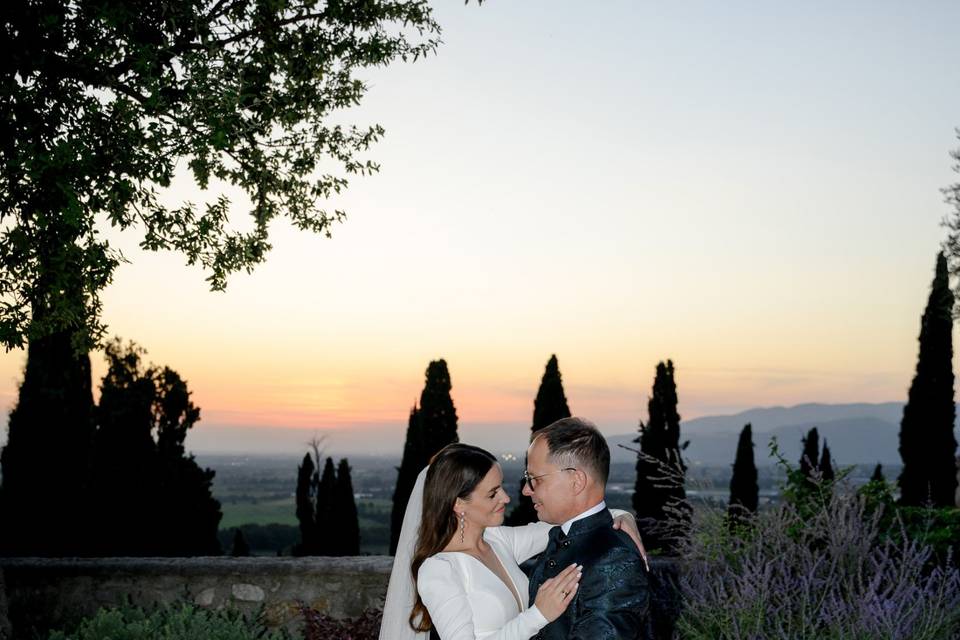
(857, 433)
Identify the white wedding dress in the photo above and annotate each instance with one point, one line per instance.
(467, 601)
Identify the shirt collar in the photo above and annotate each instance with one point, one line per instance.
(586, 514)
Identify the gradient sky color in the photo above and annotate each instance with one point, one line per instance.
(750, 189)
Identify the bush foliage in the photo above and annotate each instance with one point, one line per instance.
(826, 563)
(180, 622)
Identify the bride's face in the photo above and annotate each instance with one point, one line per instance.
(486, 505)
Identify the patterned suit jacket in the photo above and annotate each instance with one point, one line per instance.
(613, 598)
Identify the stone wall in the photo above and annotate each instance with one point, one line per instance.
(49, 593)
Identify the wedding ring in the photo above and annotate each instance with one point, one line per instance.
(564, 593)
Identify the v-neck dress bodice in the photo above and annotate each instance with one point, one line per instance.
(468, 601)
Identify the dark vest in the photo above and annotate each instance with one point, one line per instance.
(613, 597)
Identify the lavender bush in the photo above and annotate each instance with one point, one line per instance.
(827, 569)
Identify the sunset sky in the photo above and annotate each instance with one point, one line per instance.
(751, 189)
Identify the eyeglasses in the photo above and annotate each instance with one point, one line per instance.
(532, 480)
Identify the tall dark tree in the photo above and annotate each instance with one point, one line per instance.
(927, 442)
(430, 428)
(826, 464)
(49, 436)
(307, 480)
(549, 406)
(191, 515)
(410, 466)
(149, 496)
(346, 538)
(878, 474)
(438, 416)
(124, 511)
(744, 490)
(326, 511)
(240, 548)
(659, 497)
(810, 457)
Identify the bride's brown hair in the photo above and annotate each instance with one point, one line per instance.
(455, 471)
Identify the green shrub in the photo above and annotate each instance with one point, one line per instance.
(181, 622)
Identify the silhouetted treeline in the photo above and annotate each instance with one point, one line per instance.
(326, 509)
(110, 479)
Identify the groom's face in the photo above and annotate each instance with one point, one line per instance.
(551, 488)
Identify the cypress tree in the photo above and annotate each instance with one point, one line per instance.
(49, 441)
(346, 523)
(744, 490)
(549, 406)
(927, 443)
(240, 547)
(878, 474)
(810, 456)
(431, 427)
(326, 511)
(410, 466)
(438, 416)
(124, 512)
(826, 464)
(659, 497)
(307, 480)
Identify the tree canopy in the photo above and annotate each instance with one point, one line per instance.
(102, 103)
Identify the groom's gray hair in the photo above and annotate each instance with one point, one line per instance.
(575, 442)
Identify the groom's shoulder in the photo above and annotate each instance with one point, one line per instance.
(598, 535)
(610, 544)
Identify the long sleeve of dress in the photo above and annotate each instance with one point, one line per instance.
(529, 540)
(442, 591)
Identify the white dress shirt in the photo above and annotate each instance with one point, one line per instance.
(586, 514)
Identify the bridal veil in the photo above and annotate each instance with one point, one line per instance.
(402, 591)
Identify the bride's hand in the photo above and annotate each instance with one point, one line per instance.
(628, 524)
(555, 594)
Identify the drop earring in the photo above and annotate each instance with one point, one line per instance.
(462, 524)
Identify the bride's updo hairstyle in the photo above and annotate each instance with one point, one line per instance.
(454, 473)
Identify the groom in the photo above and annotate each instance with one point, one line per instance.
(567, 467)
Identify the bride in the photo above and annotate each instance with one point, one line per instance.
(456, 573)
